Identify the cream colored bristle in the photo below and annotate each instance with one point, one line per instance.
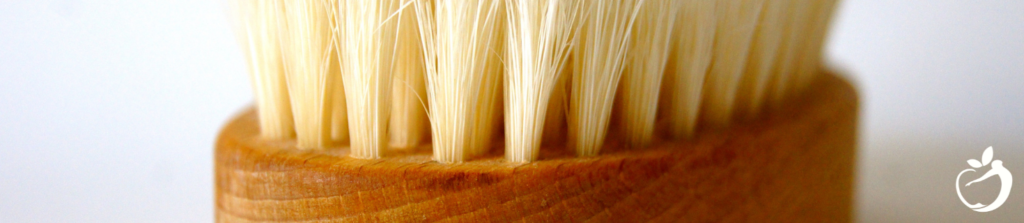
(694, 38)
(489, 106)
(645, 70)
(737, 20)
(558, 104)
(461, 46)
(540, 34)
(339, 109)
(259, 23)
(811, 53)
(378, 74)
(763, 53)
(307, 48)
(785, 63)
(597, 68)
(366, 33)
(408, 125)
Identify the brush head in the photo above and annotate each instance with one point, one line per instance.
(377, 75)
(792, 165)
(611, 110)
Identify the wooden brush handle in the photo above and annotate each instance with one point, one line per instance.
(795, 164)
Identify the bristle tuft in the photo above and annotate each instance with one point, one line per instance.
(307, 47)
(461, 48)
(645, 70)
(692, 53)
(409, 124)
(260, 24)
(737, 20)
(809, 62)
(379, 74)
(763, 53)
(540, 34)
(598, 64)
(366, 34)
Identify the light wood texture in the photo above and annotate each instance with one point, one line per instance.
(793, 165)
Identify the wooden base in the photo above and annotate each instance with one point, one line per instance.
(795, 165)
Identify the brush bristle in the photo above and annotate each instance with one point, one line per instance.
(409, 124)
(366, 34)
(461, 49)
(810, 56)
(376, 74)
(307, 46)
(540, 34)
(558, 104)
(737, 21)
(692, 53)
(645, 69)
(260, 24)
(763, 52)
(599, 59)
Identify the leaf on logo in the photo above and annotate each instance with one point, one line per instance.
(974, 163)
(986, 157)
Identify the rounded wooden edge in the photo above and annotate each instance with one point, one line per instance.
(795, 164)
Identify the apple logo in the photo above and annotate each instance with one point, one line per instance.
(1005, 178)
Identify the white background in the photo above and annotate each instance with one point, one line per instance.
(108, 109)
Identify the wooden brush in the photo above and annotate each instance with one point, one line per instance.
(538, 111)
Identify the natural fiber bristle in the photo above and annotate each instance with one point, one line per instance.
(645, 69)
(804, 31)
(540, 35)
(598, 63)
(763, 51)
(307, 47)
(460, 42)
(409, 124)
(810, 57)
(260, 24)
(339, 107)
(555, 128)
(378, 74)
(366, 34)
(684, 81)
(737, 20)
(793, 37)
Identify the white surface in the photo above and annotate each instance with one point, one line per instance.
(108, 109)
(941, 80)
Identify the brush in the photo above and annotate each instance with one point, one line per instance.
(548, 110)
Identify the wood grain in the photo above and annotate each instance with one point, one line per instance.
(795, 164)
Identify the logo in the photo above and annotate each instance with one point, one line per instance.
(997, 169)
